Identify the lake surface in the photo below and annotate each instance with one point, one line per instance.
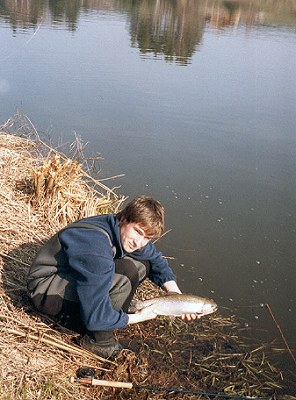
(195, 102)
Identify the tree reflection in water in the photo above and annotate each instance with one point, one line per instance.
(169, 28)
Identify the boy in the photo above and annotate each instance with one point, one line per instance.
(93, 267)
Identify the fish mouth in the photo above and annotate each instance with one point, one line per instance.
(210, 310)
(214, 307)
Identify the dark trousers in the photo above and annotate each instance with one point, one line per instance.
(129, 273)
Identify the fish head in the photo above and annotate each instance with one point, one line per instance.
(208, 307)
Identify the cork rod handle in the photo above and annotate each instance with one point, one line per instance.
(99, 382)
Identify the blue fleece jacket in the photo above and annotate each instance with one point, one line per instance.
(91, 258)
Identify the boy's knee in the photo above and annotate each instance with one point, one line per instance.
(120, 290)
(135, 270)
(142, 269)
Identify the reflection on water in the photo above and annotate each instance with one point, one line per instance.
(173, 29)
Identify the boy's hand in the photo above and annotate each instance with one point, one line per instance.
(143, 315)
(190, 317)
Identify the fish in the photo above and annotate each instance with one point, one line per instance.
(174, 305)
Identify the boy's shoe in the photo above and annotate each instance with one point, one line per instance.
(108, 347)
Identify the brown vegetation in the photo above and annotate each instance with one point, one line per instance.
(41, 190)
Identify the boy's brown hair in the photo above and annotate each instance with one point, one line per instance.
(146, 212)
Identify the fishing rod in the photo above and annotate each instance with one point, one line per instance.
(85, 377)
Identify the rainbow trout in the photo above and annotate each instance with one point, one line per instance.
(174, 305)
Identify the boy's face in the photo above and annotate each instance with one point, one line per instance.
(133, 237)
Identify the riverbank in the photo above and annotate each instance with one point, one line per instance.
(41, 190)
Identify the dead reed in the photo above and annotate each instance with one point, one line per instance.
(40, 191)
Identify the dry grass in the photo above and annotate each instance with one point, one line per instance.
(41, 190)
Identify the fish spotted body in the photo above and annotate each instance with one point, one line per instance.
(175, 305)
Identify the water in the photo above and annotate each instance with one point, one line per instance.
(195, 103)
